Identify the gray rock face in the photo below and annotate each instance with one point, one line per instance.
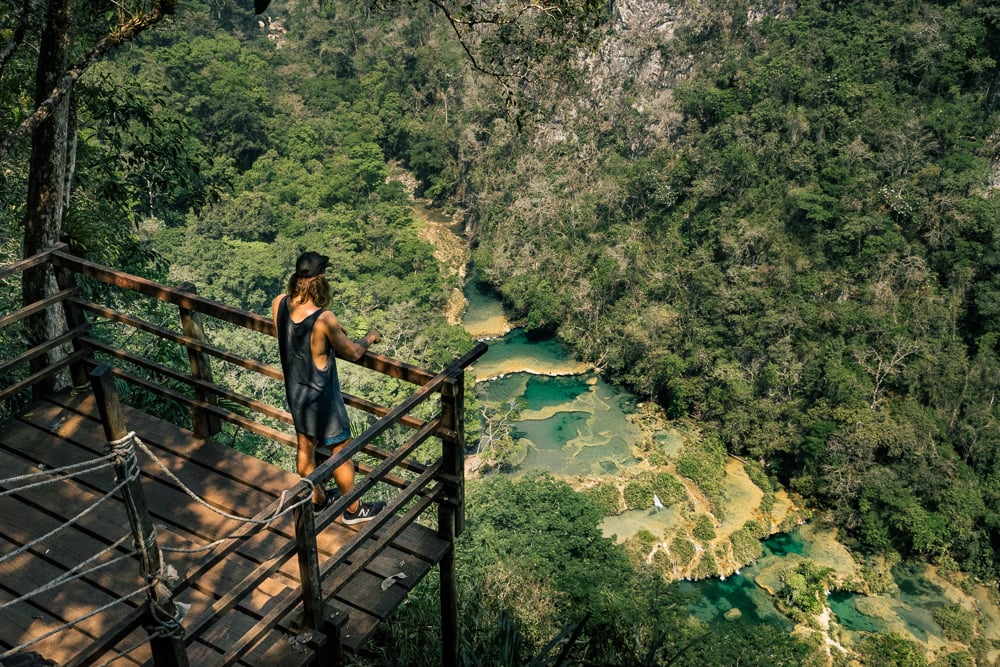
(636, 65)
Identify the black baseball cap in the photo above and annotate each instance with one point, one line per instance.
(311, 264)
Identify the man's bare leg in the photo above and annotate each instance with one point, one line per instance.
(343, 475)
(305, 463)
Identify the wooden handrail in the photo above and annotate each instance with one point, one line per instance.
(377, 362)
(41, 349)
(253, 404)
(47, 372)
(419, 484)
(228, 415)
(250, 364)
(33, 261)
(36, 307)
(145, 286)
(325, 470)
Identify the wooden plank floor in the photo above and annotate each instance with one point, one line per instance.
(65, 430)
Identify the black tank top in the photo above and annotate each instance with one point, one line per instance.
(313, 394)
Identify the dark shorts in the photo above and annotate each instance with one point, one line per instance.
(337, 439)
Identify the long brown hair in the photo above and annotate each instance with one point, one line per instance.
(314, 289)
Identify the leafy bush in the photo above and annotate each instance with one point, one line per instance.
(756, 529)
(759, 477)
(662, 563)
(746, 547)
(891, 650)
(707, 567)
(704, 528)
(955, 659)
(606, 496)
(802, 593)
(704, 462)
(639, 545)
(668, 489)
(956, 622)
(638, 494)
(682, 549)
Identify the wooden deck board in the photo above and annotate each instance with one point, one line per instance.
(37, 616)
(66, 430)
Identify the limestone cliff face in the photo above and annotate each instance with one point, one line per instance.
(634, 68)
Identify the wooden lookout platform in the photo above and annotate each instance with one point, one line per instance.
(127, 538)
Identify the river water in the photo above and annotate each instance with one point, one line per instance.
(578, 425)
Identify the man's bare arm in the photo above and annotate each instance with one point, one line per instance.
(345, 347)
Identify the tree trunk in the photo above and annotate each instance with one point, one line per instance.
(52, 150)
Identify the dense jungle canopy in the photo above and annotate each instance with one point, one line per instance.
(777, 219)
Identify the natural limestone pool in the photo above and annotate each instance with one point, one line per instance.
(578, 425)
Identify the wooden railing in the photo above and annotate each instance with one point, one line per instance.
(87, 357)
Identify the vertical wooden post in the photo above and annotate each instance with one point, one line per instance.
(308, 557)
(451, 511)
(75, 319)
(204, 424)
(330, 651)
(168, 650)
(448, 594)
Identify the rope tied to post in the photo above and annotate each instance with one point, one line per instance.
(165, 614)
(124, 451)
(167, 622)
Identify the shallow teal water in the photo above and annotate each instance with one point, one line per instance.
(783, 544)
(578, 424)
(713, 597)
(843, 606)
(483, 314)
(574, 425)
(544, 392)
(918, 598)
(515, 353)
(537, 391)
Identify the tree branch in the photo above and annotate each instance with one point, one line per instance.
(122, 33)
(18, 37)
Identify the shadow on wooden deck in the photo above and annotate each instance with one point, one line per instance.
(65, 430)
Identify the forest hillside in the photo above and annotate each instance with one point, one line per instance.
(781, 220)
(778, 220)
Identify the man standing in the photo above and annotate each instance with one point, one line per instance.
(309, 338)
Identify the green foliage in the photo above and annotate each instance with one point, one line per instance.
(532, 553)
(669, 489)
(803, 258)
(956, 622)
(638, 495)
(803, 590)
(558, 537)
(704, 462)
(606, 496)
(682, 549)
(639, 492)
(955, 659)
(639, 545)
(890, 650)
(755, 529)
(876, 574)
(706, 567)
(746, 547)
(743, 643)
(704, 528)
